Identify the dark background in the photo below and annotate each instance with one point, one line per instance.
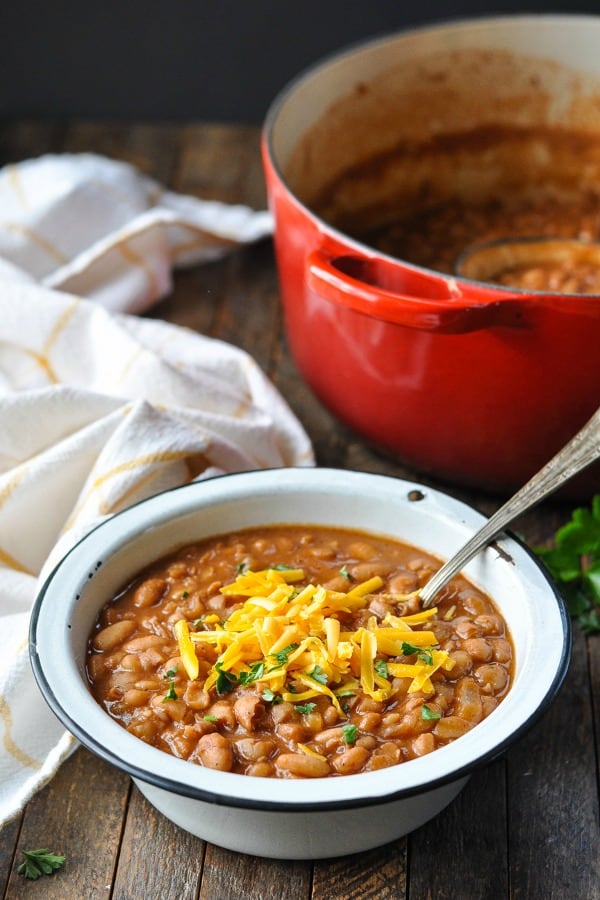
(222, 60)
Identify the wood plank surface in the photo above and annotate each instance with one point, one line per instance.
(526, 825)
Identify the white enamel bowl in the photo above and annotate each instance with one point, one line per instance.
(303, 818)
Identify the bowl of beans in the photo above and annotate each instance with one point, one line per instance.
(387, 163)
(253, 652)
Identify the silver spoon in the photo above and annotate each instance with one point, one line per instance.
(581, 450)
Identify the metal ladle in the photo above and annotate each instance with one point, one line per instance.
(581, 450)
(489, 260)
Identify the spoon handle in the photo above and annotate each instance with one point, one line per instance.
(581, 450)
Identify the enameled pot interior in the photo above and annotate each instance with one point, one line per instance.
(109, 556)
(471, 110)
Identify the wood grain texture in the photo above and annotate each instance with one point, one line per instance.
(526, 825)
(144, 870)
(80, 815)
(379, 874)
(554, 840)
(231, 876)
(471, 829)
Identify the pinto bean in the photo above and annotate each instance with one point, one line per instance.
(292, 732)
(369, 722)
(451, 727)
(423, 744)
(365, 570)
(462, 664)
(262, 769)
(501, 650)
(149, 592)
(113, 635)
(385, 755)
(136, 697)
(248, 710)
(284, 712)
(196, 697)
(351, 760)
(468, 700)
(478, 649)
(403, 583)
(223, 711)
(302, 765)
(255, 749)
(492, 678)
(215, 752)
(489, 624)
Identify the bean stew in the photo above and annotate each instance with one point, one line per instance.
(291, 651)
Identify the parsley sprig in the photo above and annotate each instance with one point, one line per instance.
(39, 862)
(574, 563)
(423, 654)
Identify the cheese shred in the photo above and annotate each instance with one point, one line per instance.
(290, 639)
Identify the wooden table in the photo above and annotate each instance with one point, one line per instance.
(526, 826)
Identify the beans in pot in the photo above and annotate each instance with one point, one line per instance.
(298, 652)
(437, 236)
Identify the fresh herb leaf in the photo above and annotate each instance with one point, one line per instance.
(422, 653)
(305, 708)
(350, 734)
(39, 862)
(241, 568)
(185, 595)
(574, 562)
(281, 657)
(318, 674)
(171, 673)
(427, 714)
(381, 668)
(210, 719)
(171, 694)
(346, 574)
(226, 681)
(283, 568)
(257, 670)
(270, 697)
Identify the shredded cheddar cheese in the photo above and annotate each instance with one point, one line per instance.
(290, 639)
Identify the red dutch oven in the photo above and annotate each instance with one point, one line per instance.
(466, 381)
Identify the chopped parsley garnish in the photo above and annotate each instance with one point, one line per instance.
(381, 668)
(210, 719)
(257, 670)
(574, 563)
(281, 657)
(39, 862)
(171, 673)
(318, 674)
(226, 681)
(350, 734)
(427, 714)
(306, 708)
(170, 695)
(241, 568)
(423, 654)
(270, 697)
(346, 574)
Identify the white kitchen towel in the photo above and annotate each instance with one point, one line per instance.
(99, 228)
(98, 410)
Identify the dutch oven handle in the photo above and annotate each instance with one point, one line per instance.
(415, 298)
